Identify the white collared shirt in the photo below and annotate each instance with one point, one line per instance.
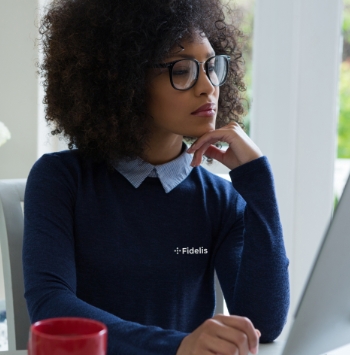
(170, 174)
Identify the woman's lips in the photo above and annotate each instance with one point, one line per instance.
(207, 113)
(205, 110)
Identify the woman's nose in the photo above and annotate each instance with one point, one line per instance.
(203, 84)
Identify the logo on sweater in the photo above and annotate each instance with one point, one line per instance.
(192, 250)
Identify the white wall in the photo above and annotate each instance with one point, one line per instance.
(18, 86)
(296, 59)
(21, 107)
(46, 143)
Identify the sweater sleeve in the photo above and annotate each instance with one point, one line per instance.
(49, 264)
(251, 261)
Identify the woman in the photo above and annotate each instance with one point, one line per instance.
(128, 228)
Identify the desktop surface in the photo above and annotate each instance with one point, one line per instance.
(276, 348)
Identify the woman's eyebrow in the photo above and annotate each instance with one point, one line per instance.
(189, 56)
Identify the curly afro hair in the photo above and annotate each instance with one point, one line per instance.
(96, 55)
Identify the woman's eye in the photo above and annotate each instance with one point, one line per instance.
(211, 67)
(178, 72)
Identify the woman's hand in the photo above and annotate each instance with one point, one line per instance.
(224, 335)
(241, 148)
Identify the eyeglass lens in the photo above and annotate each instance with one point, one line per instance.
(184, 72)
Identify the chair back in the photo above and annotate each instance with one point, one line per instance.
(11, 241)
(219, 296)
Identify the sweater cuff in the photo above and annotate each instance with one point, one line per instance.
(255, 176)
(248, 168)
(175, 342)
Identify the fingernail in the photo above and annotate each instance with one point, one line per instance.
(254, 350)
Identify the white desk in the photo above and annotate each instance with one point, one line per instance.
(264, 349)
(271, 349)
(277, 347)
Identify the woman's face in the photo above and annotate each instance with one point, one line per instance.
(173, 111)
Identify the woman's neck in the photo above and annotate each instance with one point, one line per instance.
(161, 151)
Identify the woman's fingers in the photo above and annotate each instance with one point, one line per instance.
(198, 154)
(214, 153)
(247, 332)
(221, 346)
(222, 335)
(234, 342)
(241, 148)
(209, 138)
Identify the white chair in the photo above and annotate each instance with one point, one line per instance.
(219, 297)
(11, 239)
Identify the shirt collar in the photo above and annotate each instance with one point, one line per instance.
(170, 174)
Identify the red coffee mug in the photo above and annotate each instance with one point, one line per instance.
(67, 336)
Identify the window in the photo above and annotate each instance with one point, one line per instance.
(342, 164)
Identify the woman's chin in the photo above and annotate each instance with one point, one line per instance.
(200, 131)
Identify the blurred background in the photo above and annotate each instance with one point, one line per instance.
(297, 63)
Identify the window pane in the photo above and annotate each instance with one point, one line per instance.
(246, 24)
(342, 164)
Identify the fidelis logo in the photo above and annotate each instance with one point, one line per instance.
(192, 250)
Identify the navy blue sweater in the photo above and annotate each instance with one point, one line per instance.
(94, 246)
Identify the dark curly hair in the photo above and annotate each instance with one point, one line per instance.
(96, 55)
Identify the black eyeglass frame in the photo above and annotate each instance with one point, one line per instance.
(170, 66)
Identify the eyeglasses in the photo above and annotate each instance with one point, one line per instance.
(184, 72)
